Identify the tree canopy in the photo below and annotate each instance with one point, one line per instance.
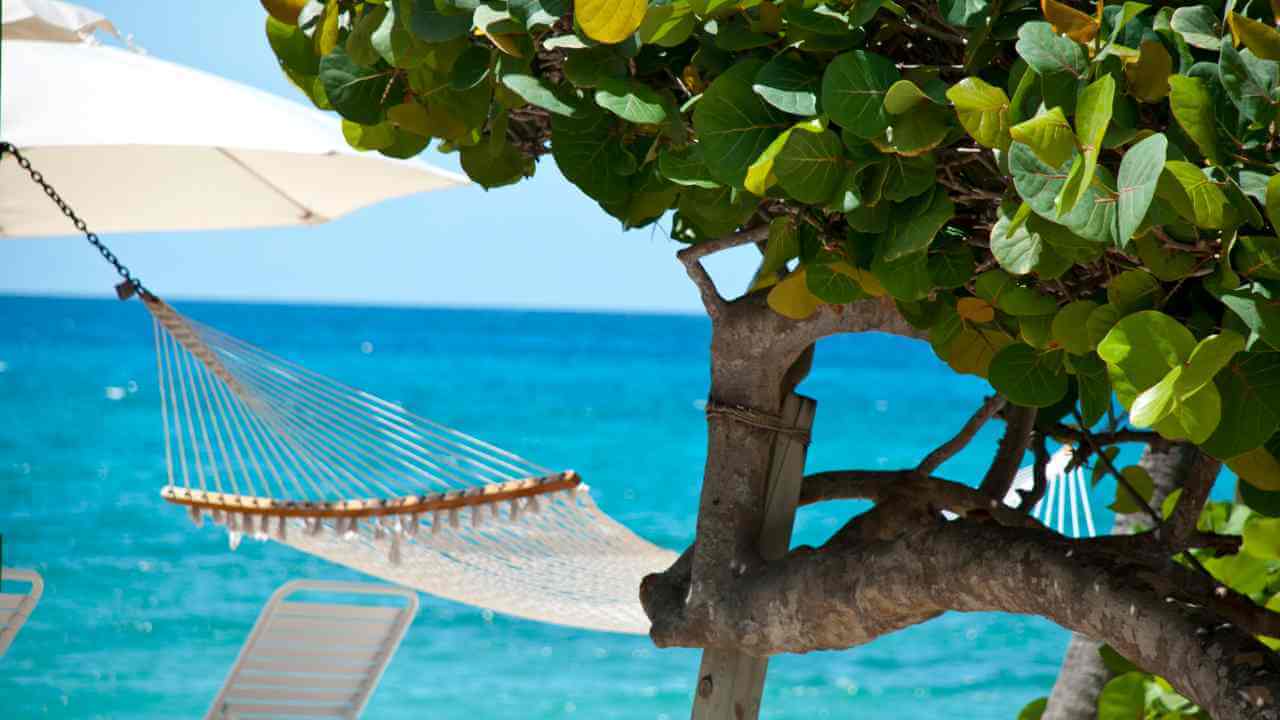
(1079, 203)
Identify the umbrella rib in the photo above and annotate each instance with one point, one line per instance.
(307, 214)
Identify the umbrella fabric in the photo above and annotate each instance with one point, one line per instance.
(51, 20)
(135, 143)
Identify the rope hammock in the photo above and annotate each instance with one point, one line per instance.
(269, 449)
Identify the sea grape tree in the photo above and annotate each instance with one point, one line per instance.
(1079, 203)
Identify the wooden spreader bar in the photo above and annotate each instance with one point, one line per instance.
(404, 505)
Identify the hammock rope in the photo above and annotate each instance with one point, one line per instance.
(268, 449)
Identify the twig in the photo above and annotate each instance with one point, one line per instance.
(1120, 478)
(947, 450)
(1195, 491)
(1017, 435)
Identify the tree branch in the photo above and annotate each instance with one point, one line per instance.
(1195, 491)
(1066, 432)
(907, 487)
(842, 596)
(692, 256)
(1137, 498)
(1027, 499)
(947, 450)
(1020, 421)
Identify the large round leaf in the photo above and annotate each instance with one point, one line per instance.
(1028, 377)
(810, 165)
(853, 90)
(356, 92)
(734, 124)
(609, 21)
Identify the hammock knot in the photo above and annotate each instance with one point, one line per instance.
(757, 419)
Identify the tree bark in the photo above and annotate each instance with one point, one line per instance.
(1083, 674)
(843, 596)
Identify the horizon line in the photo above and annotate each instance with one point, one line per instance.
(362, 303)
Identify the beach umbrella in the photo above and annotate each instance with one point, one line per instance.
(135, 143)
(51, 20)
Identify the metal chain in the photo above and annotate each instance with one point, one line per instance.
(131, 284)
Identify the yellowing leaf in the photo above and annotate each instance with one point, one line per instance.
(1068, 21)
(1258, 467)
(326, 33)
(870, 283)
(286, 11)
(609, 21)
(1049, 136)
(1149, 77)
(975, 310)
(1260, 38)
(983, 110)
(791, 297)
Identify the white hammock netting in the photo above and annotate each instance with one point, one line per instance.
(271, 450)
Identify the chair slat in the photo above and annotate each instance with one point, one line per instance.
(241, 693)
(300, 665)
(247, 711)
(335, 611)
(347, 684)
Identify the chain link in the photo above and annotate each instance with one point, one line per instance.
(129, 280)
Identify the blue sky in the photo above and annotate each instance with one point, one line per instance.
(538, 244)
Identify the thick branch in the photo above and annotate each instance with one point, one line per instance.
(947, 450)
(839, 597)
(692, 259)
(906, 487)
(1020, 421)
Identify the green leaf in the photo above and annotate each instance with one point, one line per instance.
(1192, 107)
(1094, 386)
(1033, 710)
(1048, 52)
(1134, 290)
(1249, 83)
(360, 39)
(716, 212)
(684, 166)
(368, 137)
(923, 219)
(1136, 185)
(1262, 538)
(631, 100)
(834, 283)
(1257, 257)
(292, 47)
(965, 13)
(1000, 289)
(1093, 115)
(1210, 356)
(1049, 135)
(790, 82)
(853, 89)
(1014, 245)
(952, 267)
(983, 111)
(906, 177)
(782, 246)
(537, 92)
(1124, 503)
(1141, 349)
(1028, 377)
(1069, 326)
(1198, 25)
(906, 278)
(1100, 323)
(588, 154)
(902, 96)
(1093, 218)
(1196, 196)
(667, 25)
(734, 124)
(424, 20)
(355, 92)
(1116, 663)
(916, 132)
(1156, 402)
(471, 68)
(810, 166)
(494, 167)
(1259, 307)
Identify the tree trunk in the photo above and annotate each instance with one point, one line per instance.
(1075, 693)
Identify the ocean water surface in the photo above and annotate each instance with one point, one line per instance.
(143, 613)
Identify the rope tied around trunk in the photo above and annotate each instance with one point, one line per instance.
(757, 419)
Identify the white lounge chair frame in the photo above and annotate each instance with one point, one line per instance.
(315, 659)
(15, 608)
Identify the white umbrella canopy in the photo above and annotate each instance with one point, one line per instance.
(134, 143)
(51, 20)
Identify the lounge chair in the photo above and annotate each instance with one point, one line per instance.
(15, 608)
(319, 658)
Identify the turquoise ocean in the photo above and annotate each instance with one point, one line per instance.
(143, 613)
